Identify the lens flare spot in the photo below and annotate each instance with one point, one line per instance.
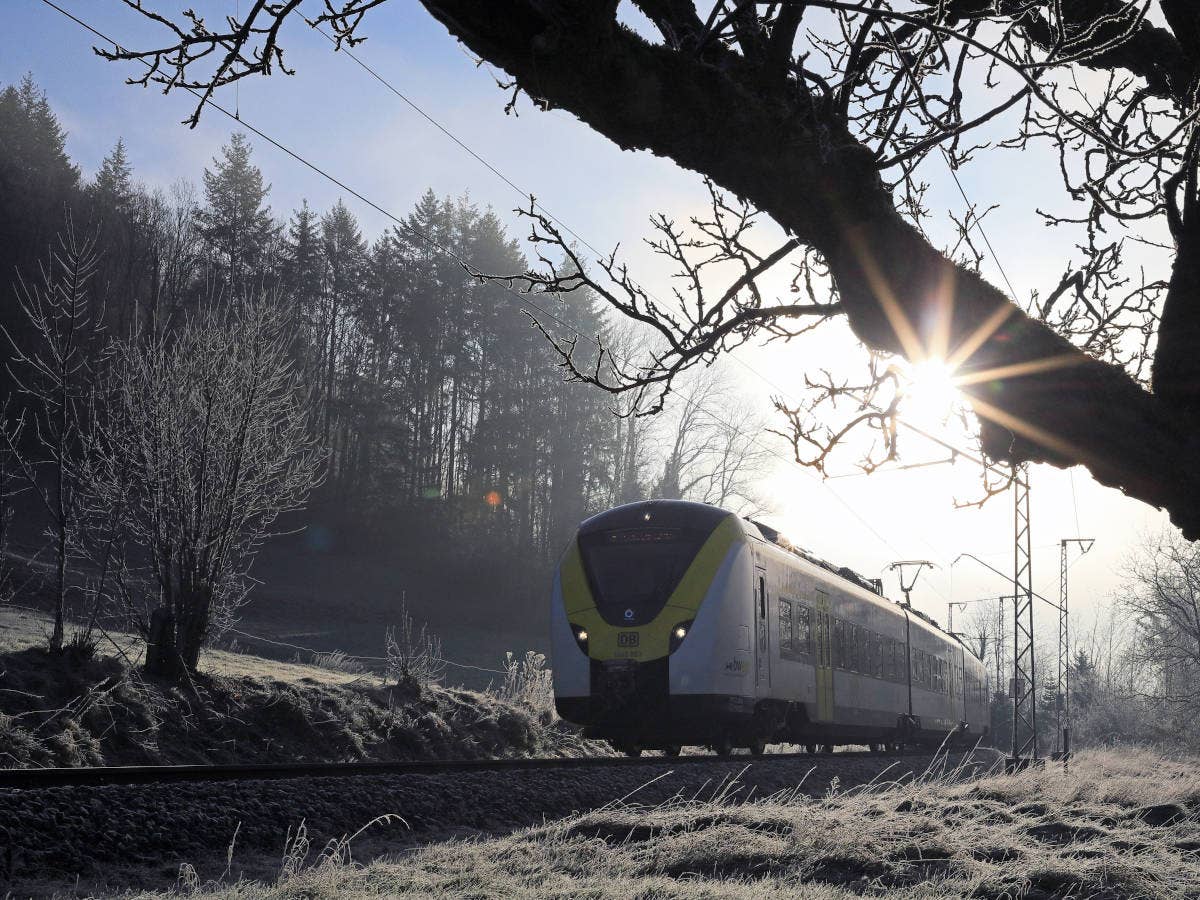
(493, 499)
(931, 395)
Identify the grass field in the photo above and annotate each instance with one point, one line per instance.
(1117, 825)
(23, 629)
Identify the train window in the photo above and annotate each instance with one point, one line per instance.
(762, 598)
(803, 628)
(877, 654)
(839, 644)
(852, 644)
(786, 648)
(632, 572)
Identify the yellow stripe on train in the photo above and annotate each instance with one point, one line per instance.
(652, 640)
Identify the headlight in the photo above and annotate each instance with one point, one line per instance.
(581, 637)
(678, 633)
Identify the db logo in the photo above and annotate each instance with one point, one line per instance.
(628, 639)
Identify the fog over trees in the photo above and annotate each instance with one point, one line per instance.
(831, 117)
(447, 433)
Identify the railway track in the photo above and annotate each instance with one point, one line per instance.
(27, 779)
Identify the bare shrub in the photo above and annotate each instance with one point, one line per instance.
(55, 373)
(528, 682)
(334, 661)
(414, 654)
(11, 429)
(204, 442)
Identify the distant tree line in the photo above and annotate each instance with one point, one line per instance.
(440, 412)
(1134, 668)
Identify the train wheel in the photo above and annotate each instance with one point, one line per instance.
(631, 749)
(878, 748)
(810, 748)
(827, 748)
(723, 746)
(671, 750)
(758, 747)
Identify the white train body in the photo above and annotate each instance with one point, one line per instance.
(677, 623)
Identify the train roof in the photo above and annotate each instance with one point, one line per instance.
(666, 513)
(874, 585)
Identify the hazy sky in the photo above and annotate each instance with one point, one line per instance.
(336, 115)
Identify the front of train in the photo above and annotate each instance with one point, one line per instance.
(651, 623)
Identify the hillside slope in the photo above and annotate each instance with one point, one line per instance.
(99, 709)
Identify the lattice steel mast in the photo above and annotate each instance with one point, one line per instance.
(1024, 681)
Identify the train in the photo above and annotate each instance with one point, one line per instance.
(676, 624)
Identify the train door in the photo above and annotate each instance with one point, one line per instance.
(763, 644)
(961, 677)
(824, 658)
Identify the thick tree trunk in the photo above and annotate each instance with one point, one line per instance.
(812, 177)
(162, 657)
(1177, 360)
(192, 628)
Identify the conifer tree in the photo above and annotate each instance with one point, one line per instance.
(301, 280)
(113, 184)
(38, 182)
(236, 221)
(344, 257)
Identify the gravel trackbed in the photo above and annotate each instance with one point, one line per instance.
(60, 834)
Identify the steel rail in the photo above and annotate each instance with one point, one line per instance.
(27, 779)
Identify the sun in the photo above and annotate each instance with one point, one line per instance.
(931, 395)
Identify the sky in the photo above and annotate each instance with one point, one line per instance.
(336, 115)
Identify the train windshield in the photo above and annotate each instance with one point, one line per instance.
(634, 570)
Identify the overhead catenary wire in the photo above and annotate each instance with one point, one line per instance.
(526, 194)
(355, 656)
(520, 298)
(978, 224)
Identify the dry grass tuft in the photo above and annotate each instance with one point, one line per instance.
(1040, 834)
